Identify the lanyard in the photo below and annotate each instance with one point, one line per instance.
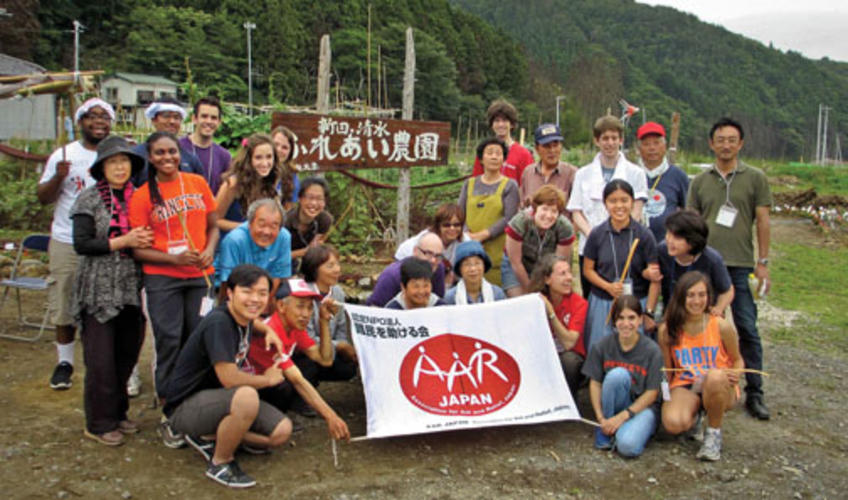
(614, 256)
(654, 187)
(727, 184)
(177, 208)
(210, 163)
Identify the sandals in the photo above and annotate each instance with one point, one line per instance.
(128, 427)
(111, 438)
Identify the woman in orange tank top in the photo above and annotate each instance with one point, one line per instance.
(703, 352)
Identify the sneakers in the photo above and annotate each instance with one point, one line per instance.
(61, 379)
(602, 441)
(230, 475)
(172, 439)
(254, 450)
(711, 449)
(696, 432)
(111, 438)
(134, 384)
(205, 447)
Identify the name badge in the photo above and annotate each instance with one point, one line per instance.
(627, 287)
(666, 393)
(177, 247)
(206, 305)
(726, 216)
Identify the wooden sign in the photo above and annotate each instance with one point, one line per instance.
(325, 142)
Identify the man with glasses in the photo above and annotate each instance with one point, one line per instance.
(428, 249)
(731, 197)
(65, 176)
(167, 115)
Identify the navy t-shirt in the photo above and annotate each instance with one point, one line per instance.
(668, 196)
(709, 263)
(217, 339)
(610, 258)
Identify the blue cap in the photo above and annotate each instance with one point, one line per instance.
(470, 249)
(547, 132)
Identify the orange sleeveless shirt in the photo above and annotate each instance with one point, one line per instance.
(698, 354)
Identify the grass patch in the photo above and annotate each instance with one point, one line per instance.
(812, 280)
(825, 180)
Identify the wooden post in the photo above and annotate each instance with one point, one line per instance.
(368, 61)
(675, 134)
(322, 101)
(458, 128)
(408, 102)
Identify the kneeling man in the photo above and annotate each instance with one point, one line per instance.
(209, 399)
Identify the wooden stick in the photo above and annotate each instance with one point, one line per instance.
(358, 438)
(590, 422)
(191, 244)
(624, 271)
(335, 453)
(741, 370)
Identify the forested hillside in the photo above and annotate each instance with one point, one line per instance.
(592, 51)
(458, 72)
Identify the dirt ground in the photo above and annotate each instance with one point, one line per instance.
(800, 453)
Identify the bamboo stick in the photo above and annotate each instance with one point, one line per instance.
(191, 244)
(741, 370)
(624, 271)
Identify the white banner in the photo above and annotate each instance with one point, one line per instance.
(457, 367)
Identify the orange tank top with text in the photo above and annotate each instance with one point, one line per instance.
(698, 354)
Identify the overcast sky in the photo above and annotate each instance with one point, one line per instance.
(815, 28)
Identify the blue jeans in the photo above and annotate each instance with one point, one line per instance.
(745, 317)
(508, 277)
(633, 435)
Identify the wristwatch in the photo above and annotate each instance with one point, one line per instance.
(763, 261)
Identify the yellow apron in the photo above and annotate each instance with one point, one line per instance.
(481, 211)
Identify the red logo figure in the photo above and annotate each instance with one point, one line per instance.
(452, 374)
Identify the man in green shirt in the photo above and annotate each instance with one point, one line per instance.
(733, 198)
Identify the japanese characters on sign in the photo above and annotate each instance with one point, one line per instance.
(335, 142)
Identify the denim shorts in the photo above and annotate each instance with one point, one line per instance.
(508, 277)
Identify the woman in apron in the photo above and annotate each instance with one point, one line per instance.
(490, 201)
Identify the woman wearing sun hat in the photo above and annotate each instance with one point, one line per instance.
(106, 297)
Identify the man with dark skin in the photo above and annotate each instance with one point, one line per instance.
(64, 178)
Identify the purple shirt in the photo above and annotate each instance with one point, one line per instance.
(215, 160)
(388, 284)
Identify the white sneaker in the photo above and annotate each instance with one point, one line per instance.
(711, 449)
(134, 384)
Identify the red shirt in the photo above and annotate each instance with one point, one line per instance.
(516, 160)
(572, 312)
(261, 359)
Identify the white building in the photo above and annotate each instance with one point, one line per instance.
(130, 93)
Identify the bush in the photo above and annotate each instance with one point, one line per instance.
(20, 208)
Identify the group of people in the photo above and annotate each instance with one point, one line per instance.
(647, 237)
(149, 234)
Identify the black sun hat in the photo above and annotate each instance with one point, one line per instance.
(111, 146)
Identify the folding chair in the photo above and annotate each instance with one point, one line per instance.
(33, 242)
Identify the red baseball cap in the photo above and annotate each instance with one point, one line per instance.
(296, 287)
(650, 128)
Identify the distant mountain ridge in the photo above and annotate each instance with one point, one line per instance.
(664, 60)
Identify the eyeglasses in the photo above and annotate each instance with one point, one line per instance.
(429, 254)
(451, 224)
(98, 116)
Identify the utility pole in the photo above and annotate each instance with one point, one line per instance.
(77, 27)
(818, 136)
(249, 26)
(826, 110)
(558, 98)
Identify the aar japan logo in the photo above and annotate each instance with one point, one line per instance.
(452, 375)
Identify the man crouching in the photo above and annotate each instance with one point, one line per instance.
(210, 399)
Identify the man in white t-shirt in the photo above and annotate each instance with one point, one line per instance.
(587, 202)
(65, 176)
